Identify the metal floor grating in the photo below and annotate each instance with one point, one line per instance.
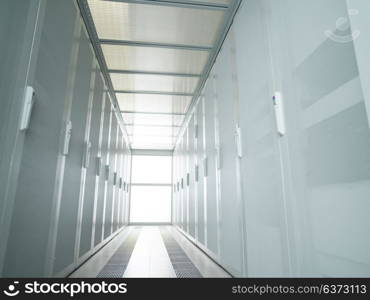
(183, 266)
(116, 266)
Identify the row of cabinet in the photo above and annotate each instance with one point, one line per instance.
(271, 175)
(72, 184)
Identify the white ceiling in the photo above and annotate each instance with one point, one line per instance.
(156, 53)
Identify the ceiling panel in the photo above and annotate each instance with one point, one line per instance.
(153, 103)
(152, 130)
(149, 119)
(152, 146)
(152, 59)
(150, 139)
(152, 51)
(156, 83)
(151, 142)
(160, 24)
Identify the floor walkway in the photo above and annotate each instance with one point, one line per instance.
(150, 252)
(150, 257)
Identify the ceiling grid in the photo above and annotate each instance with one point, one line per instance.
(156, 56)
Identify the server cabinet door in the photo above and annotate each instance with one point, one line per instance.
(182, 186)
(123, 174)
(176, 202)
(15, 55)
(73, 172)
(200, 156)
(185, 171)
(19, 31)
(231, 226)
(330, 145)
(212, 220)
(29, 237)
(173, 200)
(361, 24)
(266, 230)
(117, 196)
(174, 189)
(128, 182)
(119, 180)
(178, 183)
(109, 208)
(103, 174)
(191, 171)
(99, 171)
(126, 177)
(91, 165)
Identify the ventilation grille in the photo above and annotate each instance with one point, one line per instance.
(181, 263)
(117, 264)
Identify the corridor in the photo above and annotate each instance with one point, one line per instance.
(184, 138)
(150, 252)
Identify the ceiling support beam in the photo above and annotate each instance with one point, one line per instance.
(150, 125)
(153, 73)
(152, 152)
(154, 44)
(151, 113)
(152, 93)
(133, 135)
